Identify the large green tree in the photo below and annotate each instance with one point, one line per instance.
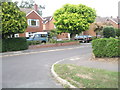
(13, 20)
(74, 18)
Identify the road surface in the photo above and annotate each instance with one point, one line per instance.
(31, 68)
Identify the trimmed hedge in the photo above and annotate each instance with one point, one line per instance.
(106, 47)
(33, 42)
(14, 44)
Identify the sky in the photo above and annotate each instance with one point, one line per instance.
(104, 8)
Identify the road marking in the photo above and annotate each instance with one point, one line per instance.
(35, 52)
(72, 59)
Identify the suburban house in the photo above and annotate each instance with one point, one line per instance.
(48, 24)
(101, 21)
(34, 20)
(36, 23)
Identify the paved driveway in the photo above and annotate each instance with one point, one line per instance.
(31, 68)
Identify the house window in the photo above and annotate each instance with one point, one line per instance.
(16, 35)
(33, 22)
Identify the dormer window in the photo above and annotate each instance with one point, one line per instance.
(33, 22)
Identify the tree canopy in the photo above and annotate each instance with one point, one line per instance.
(13, 20)
(74, 18)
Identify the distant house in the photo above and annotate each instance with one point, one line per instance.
(101, 21)
(34, 21)
(48, 24)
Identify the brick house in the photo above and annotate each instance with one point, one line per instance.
(34, 20)
(102, 21)
(48, 24)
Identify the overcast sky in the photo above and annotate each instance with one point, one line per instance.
(104, 8)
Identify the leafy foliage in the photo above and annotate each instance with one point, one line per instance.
(74, 18)
(106, 47)
(30, 4)
(6, 0)
(14, 44)
(33, 42)
(13, 20)
(108, 32)
(117, 32)
(26, 4)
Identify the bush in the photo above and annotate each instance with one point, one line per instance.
(0, 45)
(106, 47)
(108, 32)
(33, 42)
(63, 41)
(14, 44)
(117, 32)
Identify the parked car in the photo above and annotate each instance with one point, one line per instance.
(42, 37)
(84, 38)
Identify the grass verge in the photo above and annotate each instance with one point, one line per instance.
(83, 77)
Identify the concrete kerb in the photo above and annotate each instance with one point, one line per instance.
(59, 79)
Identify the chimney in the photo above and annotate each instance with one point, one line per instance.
(35, 7)
(117, 17)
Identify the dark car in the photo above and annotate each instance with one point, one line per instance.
(84, 38)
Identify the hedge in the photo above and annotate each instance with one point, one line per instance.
(14, 44)
(106, 47)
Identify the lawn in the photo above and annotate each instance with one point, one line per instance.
(83, 77)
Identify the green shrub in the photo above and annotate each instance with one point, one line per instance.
(0, 45)
(14, 44)
(106, 47)
(63, 41)
(33, 42)
(108, 32)
(117, 32)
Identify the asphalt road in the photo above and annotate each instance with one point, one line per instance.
(31, 68)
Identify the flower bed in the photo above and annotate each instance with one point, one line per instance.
(53, 45)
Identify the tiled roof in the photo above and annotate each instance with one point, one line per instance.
(47, 19)
(104, 19)
(26, 10)
(115, 19)
(101, 19)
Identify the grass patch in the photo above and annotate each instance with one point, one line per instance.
(83, 77)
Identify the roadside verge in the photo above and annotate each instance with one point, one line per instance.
(59, 79)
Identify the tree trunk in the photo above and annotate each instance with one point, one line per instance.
(13, 36)
(72, 35)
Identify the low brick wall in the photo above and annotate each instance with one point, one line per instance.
(53, 45)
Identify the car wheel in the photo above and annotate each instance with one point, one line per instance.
(43, 42)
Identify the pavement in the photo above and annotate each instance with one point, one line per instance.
(85, 60)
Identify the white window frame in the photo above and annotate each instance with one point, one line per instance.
(16, 35)
(30, 24)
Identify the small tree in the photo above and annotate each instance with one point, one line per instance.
(13, 20)
(74, 18)
(108, 32)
